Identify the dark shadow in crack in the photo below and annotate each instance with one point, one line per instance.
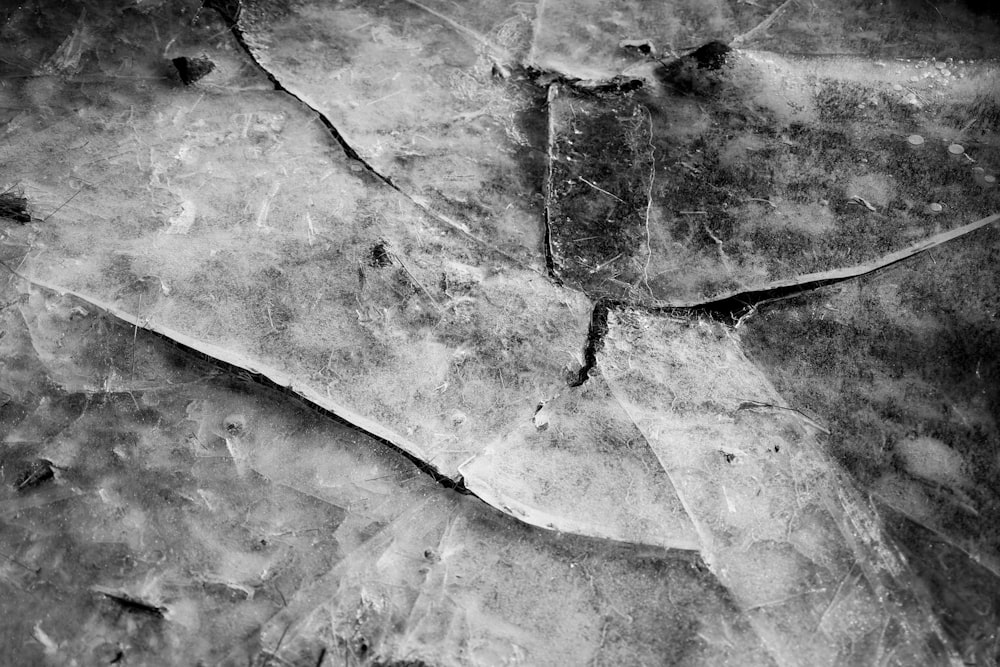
(733, 309)
(595, 342)
(231, 11)
(242, 375)
(248, 376)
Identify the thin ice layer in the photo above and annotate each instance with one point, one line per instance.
(301, 266)
(711, 181)
(580, 459)
(227, 214)
(802, 553)
(158, 508)
(903, 367)
(429, 95)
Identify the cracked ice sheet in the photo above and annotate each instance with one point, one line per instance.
(160, 453)
(294, 259)
(799, 549)
(253, 522)
(702, 184)
(903, 366)
(297, 263)
(596, 468)
(490, 591)
(411, 87)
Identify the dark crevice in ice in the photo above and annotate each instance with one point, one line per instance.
(595, 341)
(135, 605)
(616, 85)
(243, 375)
(728, 310)
(731, 309)
(230, 11)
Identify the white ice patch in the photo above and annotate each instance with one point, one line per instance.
(182, 222)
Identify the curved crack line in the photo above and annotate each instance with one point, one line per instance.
(275, 380)
(247, 370)
(734, 308)
(731, 307)
(231, 14)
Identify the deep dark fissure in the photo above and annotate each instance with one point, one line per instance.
(241, 374)
(230, 11)
(596, 332)
(728, 310)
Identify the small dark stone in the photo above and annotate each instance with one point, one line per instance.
(192, 69)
